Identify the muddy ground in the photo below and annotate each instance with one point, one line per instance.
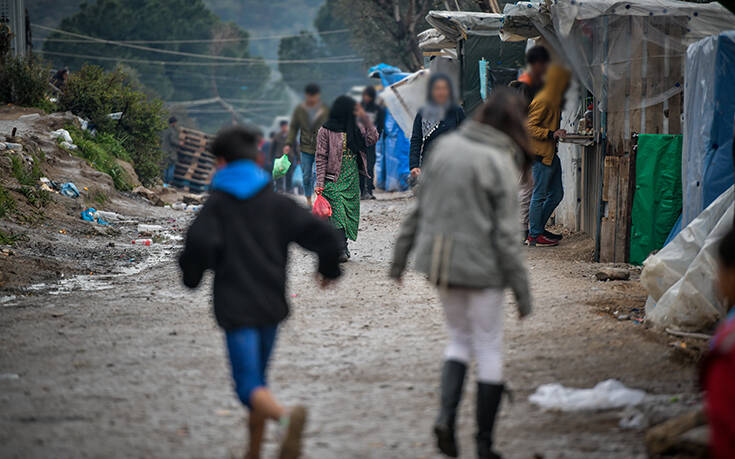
(125, 362)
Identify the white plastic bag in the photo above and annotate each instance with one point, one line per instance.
(604, 396)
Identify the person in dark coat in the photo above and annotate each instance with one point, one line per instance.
(376, 113)
(243, 233)
(440, 115)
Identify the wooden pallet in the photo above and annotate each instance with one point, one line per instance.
(195, 165)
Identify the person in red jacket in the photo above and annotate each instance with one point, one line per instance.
(719, 367)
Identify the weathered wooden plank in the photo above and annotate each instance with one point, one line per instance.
(609, 196)
(622, 226)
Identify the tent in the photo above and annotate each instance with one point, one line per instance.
(474, 38)
(630, 57)
(391, 152)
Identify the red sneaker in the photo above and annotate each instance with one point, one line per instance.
(541, 241)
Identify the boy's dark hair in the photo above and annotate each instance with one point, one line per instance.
(283, 123)
(726, 249)
(537, 54)
(312, 89)
(237, 142)
(172, 120)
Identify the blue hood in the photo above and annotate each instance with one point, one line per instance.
(242, 178)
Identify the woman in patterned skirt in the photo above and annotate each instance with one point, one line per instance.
(340, 159)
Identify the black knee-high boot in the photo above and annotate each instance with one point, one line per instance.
(452, 382)
(345, 255)
(488, 404)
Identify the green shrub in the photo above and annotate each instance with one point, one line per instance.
(36, 197)
(23, 81)
(101, 155)
(7, 203)
(27, 176)
(94, 93)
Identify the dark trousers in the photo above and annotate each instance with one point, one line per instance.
(367, 185)
(284, 184)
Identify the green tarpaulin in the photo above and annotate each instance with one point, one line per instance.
(657, 197)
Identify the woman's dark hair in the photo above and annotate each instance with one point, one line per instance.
(504, 110)
(726, 249)
(312, 89)
(371, 93)
(237, 142)
(342, 119)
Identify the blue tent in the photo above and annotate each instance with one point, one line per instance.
(709, 101)
(391, 165)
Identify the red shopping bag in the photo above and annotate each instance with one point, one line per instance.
(321, 207)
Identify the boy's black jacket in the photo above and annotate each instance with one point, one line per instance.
(245, 242)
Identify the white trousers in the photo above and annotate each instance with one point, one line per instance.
(475, 325)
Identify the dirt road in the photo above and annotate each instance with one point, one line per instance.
(130, 364)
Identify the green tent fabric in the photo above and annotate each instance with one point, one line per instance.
(658, 197)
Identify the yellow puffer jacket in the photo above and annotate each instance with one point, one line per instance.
(544, 113)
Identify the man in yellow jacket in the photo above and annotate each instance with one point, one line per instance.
(544, 116)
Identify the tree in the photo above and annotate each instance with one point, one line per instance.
(183, 30)
(334, 78)
(385, 30)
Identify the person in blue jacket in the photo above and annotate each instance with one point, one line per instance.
(440, 115)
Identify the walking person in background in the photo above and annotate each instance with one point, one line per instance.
(243, 233)
(277, 147)
(440, 115)
(464, 228)
(341, 157)
(528, 85)
(306, 120)
(170, 144)
(377, 116)
(544, 116)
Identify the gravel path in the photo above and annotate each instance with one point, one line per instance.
(137, 368)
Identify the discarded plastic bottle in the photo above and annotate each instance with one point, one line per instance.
(146, 242)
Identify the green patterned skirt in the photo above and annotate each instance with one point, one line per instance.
(344, 196)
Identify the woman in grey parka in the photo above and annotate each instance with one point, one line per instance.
(464, 229)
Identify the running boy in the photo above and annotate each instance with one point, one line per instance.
(242, 233)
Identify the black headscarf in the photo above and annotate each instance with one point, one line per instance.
(342, 119)
(370, 106)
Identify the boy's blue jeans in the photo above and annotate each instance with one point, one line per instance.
(547, 194)
(250, 349)
(308, 165)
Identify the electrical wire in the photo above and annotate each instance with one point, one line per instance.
(212, 40)
(195, 64)
(335, 59)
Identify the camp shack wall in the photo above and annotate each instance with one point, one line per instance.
(649, 67)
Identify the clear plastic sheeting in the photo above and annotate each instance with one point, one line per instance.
(617, 43)
(680, 277)
(709, 101)
(606, 395)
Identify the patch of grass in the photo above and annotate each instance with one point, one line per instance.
(26, 176)
(101, 152)
(10, 238)
(7, 203)
(36, 197)
(99, 197)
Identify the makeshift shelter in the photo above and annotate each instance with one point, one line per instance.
(472, 39)
(391, 151)
(709, 98)
(629, 56)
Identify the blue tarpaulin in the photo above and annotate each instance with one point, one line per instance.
(391, 153)
(709, 101)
